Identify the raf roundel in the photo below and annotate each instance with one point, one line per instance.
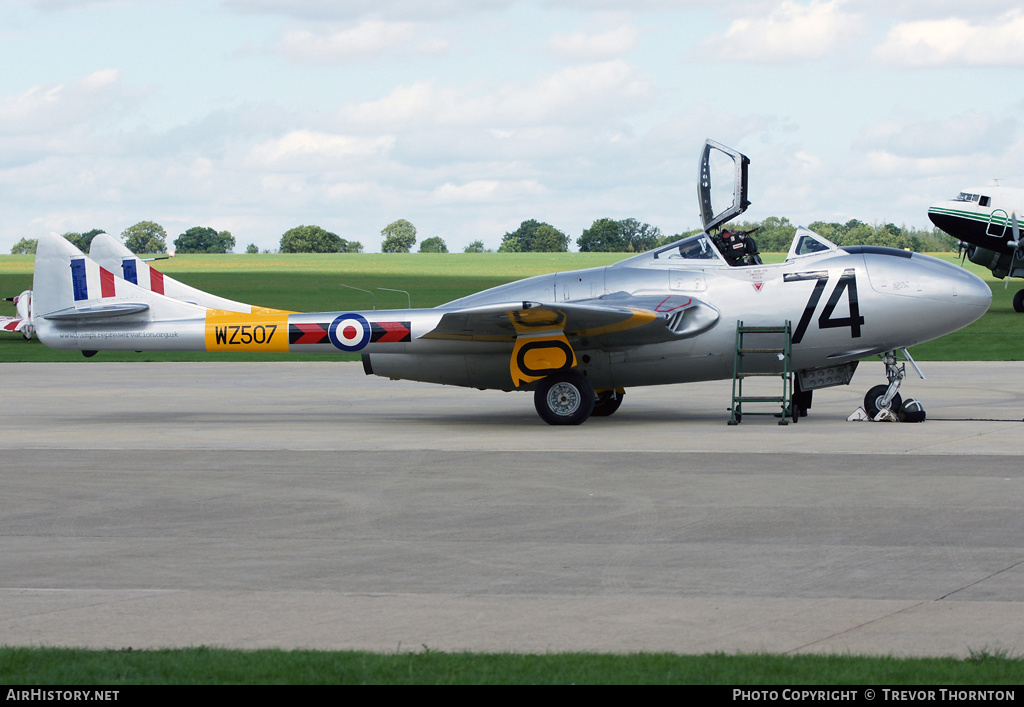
(349, 332)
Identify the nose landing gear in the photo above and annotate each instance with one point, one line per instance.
(883, 402)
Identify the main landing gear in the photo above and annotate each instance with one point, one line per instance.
(564, 398)
(1018, 302)
(568, 398)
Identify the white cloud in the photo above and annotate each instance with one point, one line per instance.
(365, 39)
(595, 46)
(487, 190)
(614, 88)
(306, 149)
(333, 9)
(790, 32)
(968, 133)
(46, 109)
(884, 164)
(955, 41)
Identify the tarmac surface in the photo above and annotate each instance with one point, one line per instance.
(307, 505)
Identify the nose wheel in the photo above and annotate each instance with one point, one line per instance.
(874, 401)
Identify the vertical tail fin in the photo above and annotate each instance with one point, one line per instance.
(68, 287)
(112, 255)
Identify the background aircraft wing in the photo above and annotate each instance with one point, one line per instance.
(612, 320)
(11, 323)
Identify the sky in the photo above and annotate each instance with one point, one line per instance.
(467, 117)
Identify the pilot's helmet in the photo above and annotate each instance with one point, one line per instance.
(912, 411)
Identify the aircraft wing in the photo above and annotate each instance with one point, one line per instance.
(11, 323)
(612, 320)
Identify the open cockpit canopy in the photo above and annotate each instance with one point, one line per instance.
(721, 184)
(722, 194)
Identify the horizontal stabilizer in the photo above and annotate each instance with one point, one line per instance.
(11, 323)
(98, 311)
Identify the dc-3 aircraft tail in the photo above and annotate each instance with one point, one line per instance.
(576, 339)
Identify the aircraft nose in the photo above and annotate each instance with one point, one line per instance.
(922, 276)
(943, 216)
(971, 289)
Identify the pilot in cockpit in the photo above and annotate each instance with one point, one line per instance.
(738, 247)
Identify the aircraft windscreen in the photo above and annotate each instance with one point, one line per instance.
(806, 242)
(693, 248)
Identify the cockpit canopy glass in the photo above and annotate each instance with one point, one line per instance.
(806, 242)
(979, 199)
(700, 248)
(722, 184)
(697, 247)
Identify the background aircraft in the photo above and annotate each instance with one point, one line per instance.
(23, 321)
(576, 339)
(984, 219)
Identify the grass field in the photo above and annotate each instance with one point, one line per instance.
(314, 283)
(207, 666)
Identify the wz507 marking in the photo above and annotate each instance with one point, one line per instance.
(241, 333)
(244, 334)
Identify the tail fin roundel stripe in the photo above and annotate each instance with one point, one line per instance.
(84, 280)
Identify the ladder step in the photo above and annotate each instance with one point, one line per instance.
(779, 345)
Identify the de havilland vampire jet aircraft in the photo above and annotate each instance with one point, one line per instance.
(576, 339)
(984, 219)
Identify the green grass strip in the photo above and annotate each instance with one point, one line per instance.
(207, 666)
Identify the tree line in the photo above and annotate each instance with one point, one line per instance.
(147, 238)
(773, 234)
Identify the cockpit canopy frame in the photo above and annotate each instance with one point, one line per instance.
(739, 204)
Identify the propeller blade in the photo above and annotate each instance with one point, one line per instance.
(1015, 229)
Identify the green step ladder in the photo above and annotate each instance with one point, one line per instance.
(772, 340)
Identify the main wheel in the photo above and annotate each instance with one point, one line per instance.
(1018, 301)
(565, 398)
(873, 401)
(608, 401)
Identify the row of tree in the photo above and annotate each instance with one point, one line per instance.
(147, 237)
(774, 234)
